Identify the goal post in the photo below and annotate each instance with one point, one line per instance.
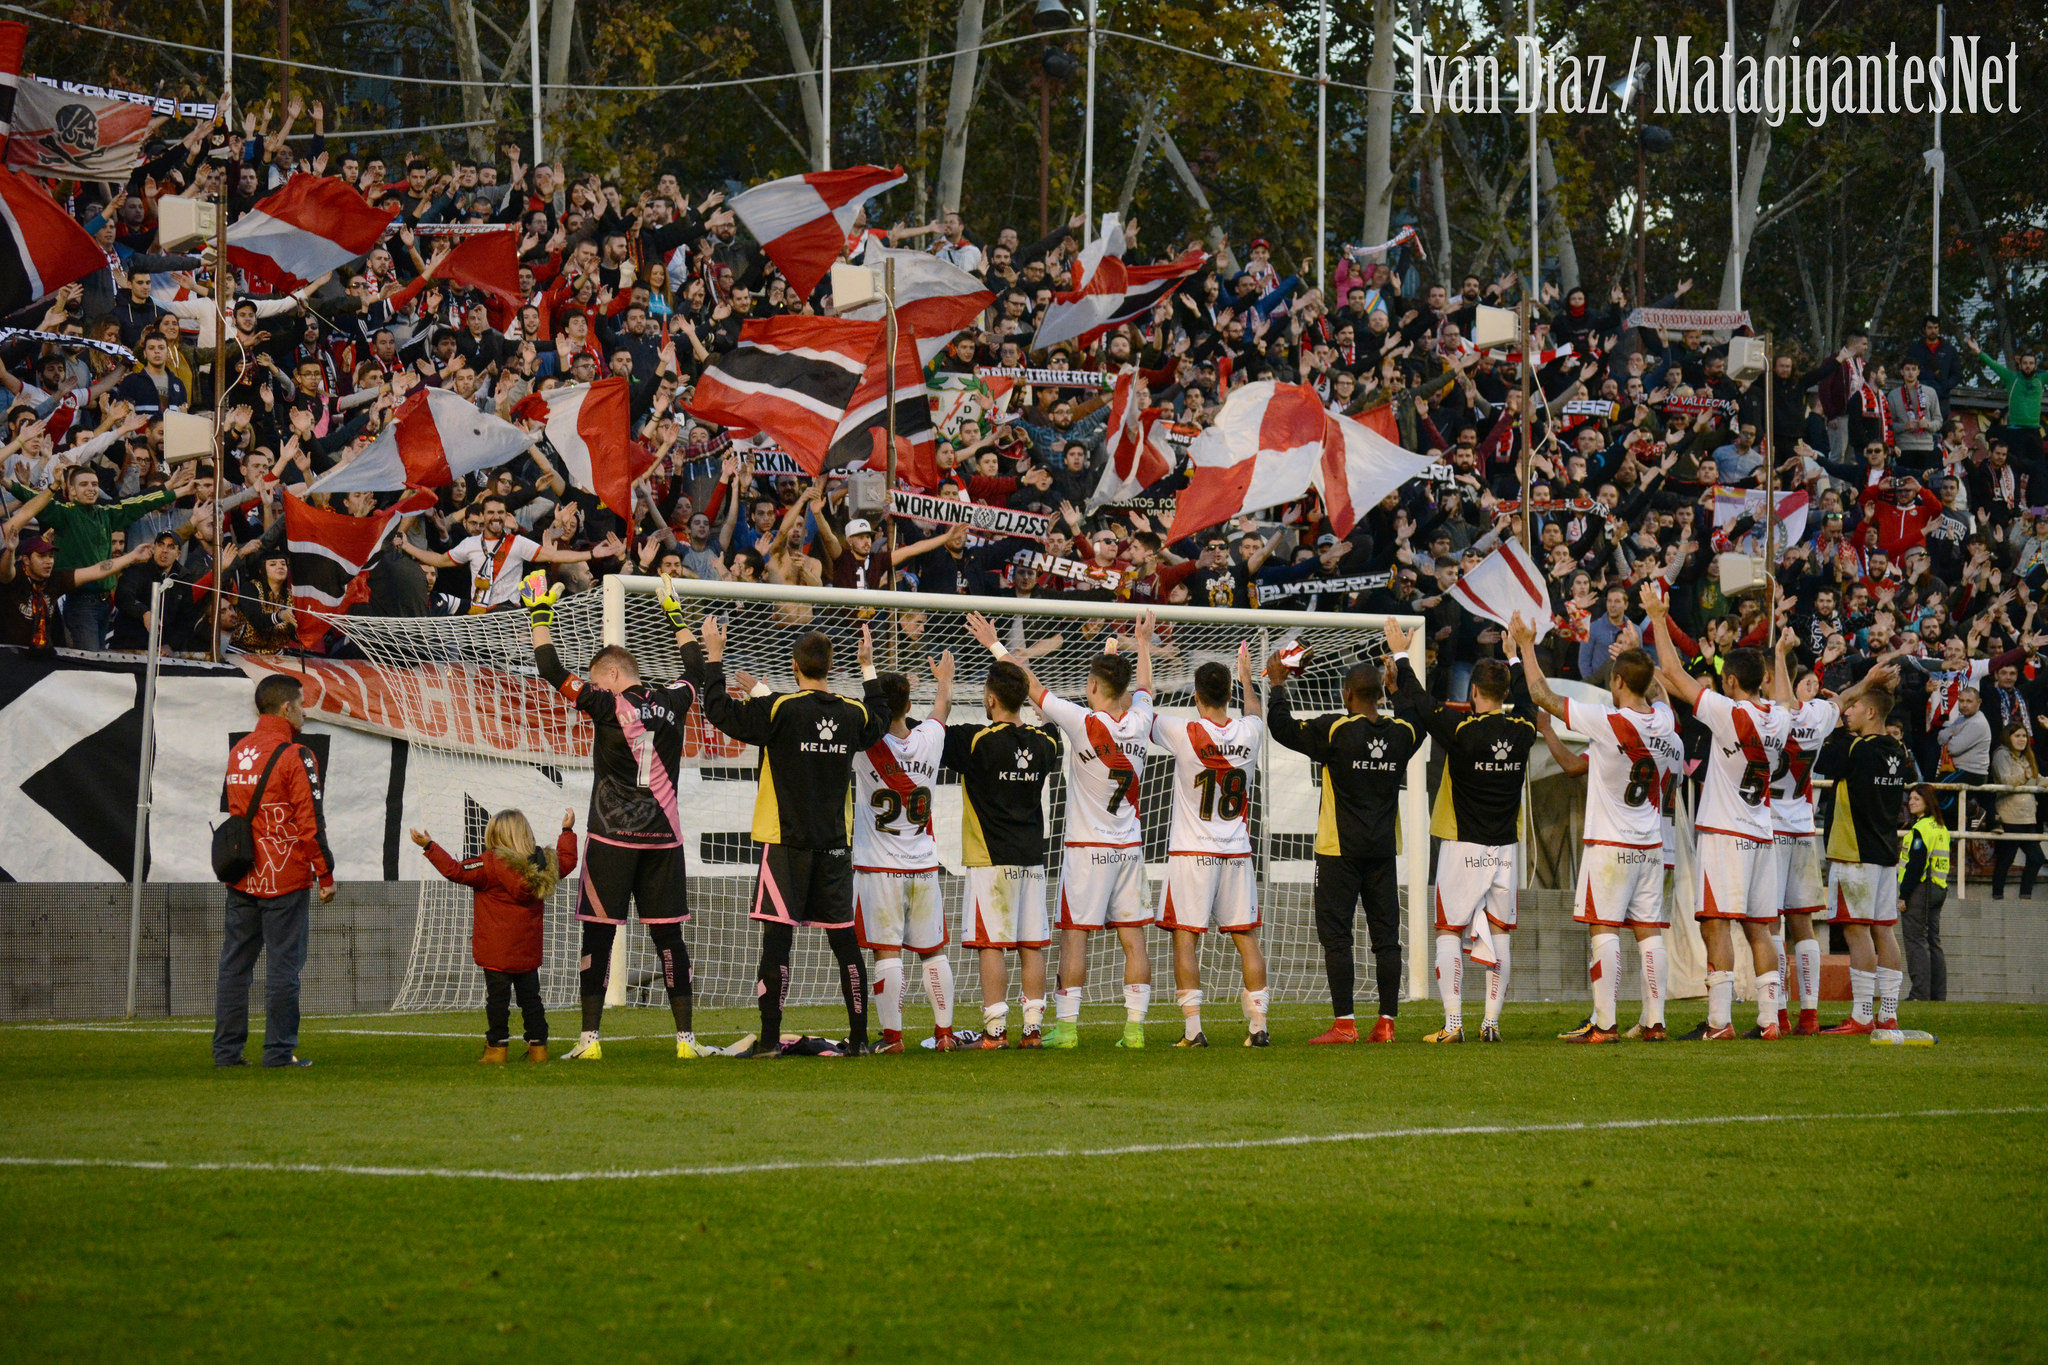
(485, 661)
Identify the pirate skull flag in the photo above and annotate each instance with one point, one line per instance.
(67, 133)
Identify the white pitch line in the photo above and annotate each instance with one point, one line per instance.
(966, 1158)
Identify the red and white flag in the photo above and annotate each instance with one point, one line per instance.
(1506, 584)
(590, 427)
(42, 248)
(331, 554)
(314, 224)
(862, 434)
(486, 261)
(802, 221)
(439, 437)
(1264, 447)
(1139, 455)
(790, 377)
(1363, 462)
(1107, 293)
(935, 301)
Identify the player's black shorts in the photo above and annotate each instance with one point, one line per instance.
(652, 879)
(1341, 883)
(811, 886)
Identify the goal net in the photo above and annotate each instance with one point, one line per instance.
(492, 735)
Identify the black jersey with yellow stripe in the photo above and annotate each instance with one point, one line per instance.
(1003, 767)
(808, 740)
(1363, 762)
(1871, 777)
(1486, 756)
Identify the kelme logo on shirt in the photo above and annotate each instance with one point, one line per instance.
(827, 728)
(1023, 758)
(1501, 749)
(1377, 748)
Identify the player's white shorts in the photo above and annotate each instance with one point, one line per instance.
(1005, 908)
(1862, 893)
(1471, 878)
(1737, 877)
(899, 910)
(1799, 871)
(1200, 886)
(1619, 886)
(1102, 887)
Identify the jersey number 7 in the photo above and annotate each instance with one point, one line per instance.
(1125, 779)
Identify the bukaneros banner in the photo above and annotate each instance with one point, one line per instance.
(998, 521)
(1055, 567)
(1050, 379)
(1366, 582)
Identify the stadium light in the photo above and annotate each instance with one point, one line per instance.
(1051, 14)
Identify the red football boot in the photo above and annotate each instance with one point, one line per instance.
(1343, 1031)
(1809, 1024)
(1382, 1030)
(943, 1040)
(1849, 1026)
(892, 1041)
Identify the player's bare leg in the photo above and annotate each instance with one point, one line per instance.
(1073, 977)
(1719, 940)
(1187, 986)
(1805, 971)
(1252, 958)
(995, 997)
(1031, 983)
(1763, 955)
(1137, 983)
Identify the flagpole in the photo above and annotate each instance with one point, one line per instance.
(142, 780)
(1734, 173)
(533, 48)
(1940, 175)
(1528, 444)
(1088, 141)
(825, 90)
(1771, 490)
(889, 479)
(1322, 139)
(1535, 98)
(221, 316)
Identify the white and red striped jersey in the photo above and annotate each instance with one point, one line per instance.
(1105, 761)
(1628, 754)
(892, 793)
(1792, 777)
(1212, 781)
(1748, 737)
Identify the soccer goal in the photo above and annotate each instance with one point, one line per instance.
(500, 737)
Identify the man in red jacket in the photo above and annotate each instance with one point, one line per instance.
(1901, 510)
(267, 910)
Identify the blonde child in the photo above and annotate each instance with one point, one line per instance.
(512, 879)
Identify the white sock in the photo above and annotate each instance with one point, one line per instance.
(1778, 942)
(1450, 980)
(1497, 979)
(588, 1035)
(1137, 1000)
(1066, 1004)
(1862, 985)
(1190, 1011)
(888, 988)
(685, 1036)
(993, 1018)
(1604, 972)
(1889, 979)
(1770, 997)
(1255, 1003)
(1652, 950)
(1720, 999)
(1034, 1012)
(938, 986)
(1806, 966)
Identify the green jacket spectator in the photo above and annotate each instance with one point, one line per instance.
(2022, 393)
(85, 526)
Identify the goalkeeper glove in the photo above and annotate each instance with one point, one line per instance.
(539, 599)
(674, 609)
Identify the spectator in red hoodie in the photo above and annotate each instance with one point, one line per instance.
(513, 879)
(274, 781)
(1900, 511)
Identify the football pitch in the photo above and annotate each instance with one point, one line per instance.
(1811, 1199)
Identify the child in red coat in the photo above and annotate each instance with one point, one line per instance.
(513, 880)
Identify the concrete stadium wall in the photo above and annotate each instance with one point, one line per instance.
(64, 950)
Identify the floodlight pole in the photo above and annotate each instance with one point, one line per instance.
(1322, 139)
(889, 404)
(1770, 491)
(533, 50)
(1734, 177)
(1088, 141)
(1526, 320)
(143, 784)
(1940, 173)
(825, 86)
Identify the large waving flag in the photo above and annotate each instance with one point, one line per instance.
(1107, 293)
(935, 301)
(862, 434)
(1271, 443)
(42, 248)
(439, 436)
(331, 554)
(802, 221)
(590, 427)
(791, 377)
(314, 224)
(1138, 453)
(1506, 584)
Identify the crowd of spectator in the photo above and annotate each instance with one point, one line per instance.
(1925, 536)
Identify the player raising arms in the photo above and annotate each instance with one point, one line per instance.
(1003, 766)
(1102, 872)
(1364, 757)
(1803, 895)
(896, 898)
(1478, 816)
(1863, 851)
(1735, 852)
(1621, 871)
(808, 740)
(635, 847)
(1209, 872)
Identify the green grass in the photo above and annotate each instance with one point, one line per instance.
(1913, 1237)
